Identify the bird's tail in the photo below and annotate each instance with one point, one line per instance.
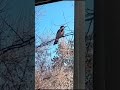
(56, 41)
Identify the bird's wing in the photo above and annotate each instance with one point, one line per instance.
(58, 34)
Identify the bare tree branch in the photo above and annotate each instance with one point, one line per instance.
(88, 28)
(3, 50)
(12, 29)
(48, 42)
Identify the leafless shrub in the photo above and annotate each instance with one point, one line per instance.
(59, 75)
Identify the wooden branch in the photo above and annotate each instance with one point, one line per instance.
(48, 42)
(12, 29)
(88, 19)
(90, 23)
(27, 42)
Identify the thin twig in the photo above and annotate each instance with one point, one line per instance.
(12, 29)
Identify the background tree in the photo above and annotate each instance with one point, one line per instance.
(89, 19)
(16, 45)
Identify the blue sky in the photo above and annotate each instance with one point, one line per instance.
(49, 18)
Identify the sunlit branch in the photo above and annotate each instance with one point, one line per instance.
(48, 42)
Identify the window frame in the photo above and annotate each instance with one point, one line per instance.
(79, 42)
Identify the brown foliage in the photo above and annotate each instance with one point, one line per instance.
(59, 75)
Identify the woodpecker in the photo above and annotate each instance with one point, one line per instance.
(60, 33)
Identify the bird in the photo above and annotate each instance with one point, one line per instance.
(60, 33)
